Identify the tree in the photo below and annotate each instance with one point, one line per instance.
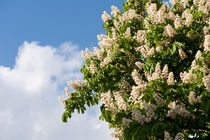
(151, 72)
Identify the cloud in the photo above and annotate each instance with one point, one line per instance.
(29, 109)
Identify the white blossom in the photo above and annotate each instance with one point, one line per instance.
(196, 2)
(172, 105)
(206, 30)
(192, 99)
(165, 71)
(170, 80)
(128, 32)
(207, 43)
(146, 51)
(115, 10)
(126, 121)
(93, 68)
(129, 15)
(171, 16)
(107, 60)
(105, 42)
(173, 2)
(120, 101)
(137, 116)
(141, 36)
(159, 100)
(178, 110)
(179, 136)
(198, 54)
(137, 93)
(68, 94)
(137, 78)
(117, 134)
(99, 53)
(140, 65)
(188, 17)
(177, 22)
(169, 31)
(182, 54)
(206, 81)
(186, 77)
(76, 84)
(108, 101)
(62, 100)
(167, 136)
(105, 17)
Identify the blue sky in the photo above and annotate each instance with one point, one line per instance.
(50, 22)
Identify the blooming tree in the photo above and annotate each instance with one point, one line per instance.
(151, 73)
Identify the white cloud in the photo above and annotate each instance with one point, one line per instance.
(29, 109)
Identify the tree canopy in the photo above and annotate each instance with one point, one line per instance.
(151, 71)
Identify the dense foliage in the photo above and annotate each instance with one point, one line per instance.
(151, 72)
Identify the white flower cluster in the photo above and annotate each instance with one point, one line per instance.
(124, 86)
(179, 136)
(178, 22)
(188, 17)
(62, 100)
(172, 105)
(207, 43)
(173, 2)
(119, 133)
(185, 3)
(121, 104)
(192, 75)
(129, 15)
(115, 11)
(170, 79)
(114, 34)
(159, 17)
(137, 78)
(137, 93)
(203, 6)
(158, 74)
(105, 42)
(105, 17)
(108, 101)
(87, 54)
(192, 99)
(206, 30)
(159, 100)
(126, 121)
(139, 117)
(169, 31)
(141, 36)
(99, 53)
(182, 54)
(198, 54)
(146, 51)
(68, 94)
(76, 84)
(206, 81)
(93, 68)
(128, 32)
(187, 77)
(167, 136)
(165, 71)
(106, 60)
(139, 65)
(178, 110)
